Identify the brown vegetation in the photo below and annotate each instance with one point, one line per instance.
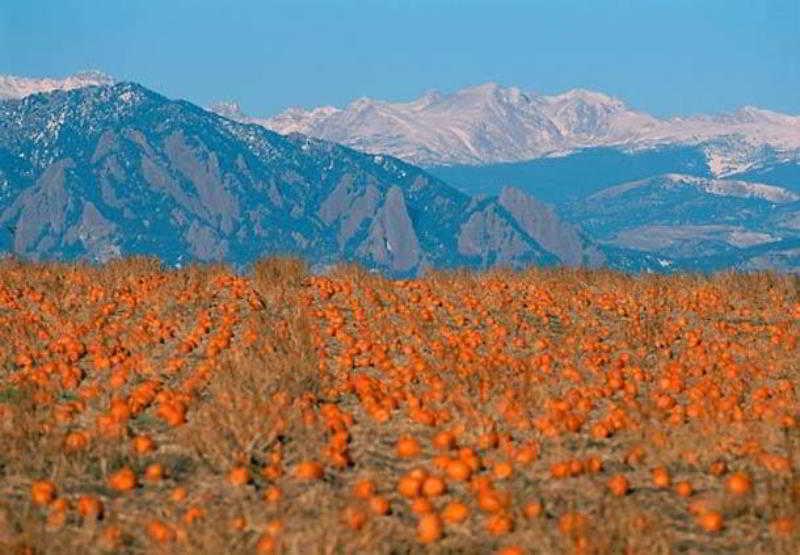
(198, 411)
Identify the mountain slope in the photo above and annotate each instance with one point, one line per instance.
(96, 172)
(490, 124)
(701, 223)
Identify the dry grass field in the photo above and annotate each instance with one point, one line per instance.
(550, 411)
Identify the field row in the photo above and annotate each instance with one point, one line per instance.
(201, 411)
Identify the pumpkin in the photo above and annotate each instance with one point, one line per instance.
(499, 524)
(710, 521)
(407, 447)
(43, 492)
(455, 512)
(739, 483)
(433, 486)
(309, 470)
(429, 528)
(618, 485)
(273, 494)
(458, 470)
(160, 532)
(354, 517)
(421, 506)
(532, 509)
(143, 444)
(123, 479)
(661, 477)
(364, 489)
(379, 505)
(502, 470)
(684, 488)
(239, 476)
(90, 507)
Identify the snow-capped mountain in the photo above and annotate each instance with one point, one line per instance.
(19, 87)
(100, 172)
(95, 172)
(490, 123)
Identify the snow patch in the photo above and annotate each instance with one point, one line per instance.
(13, 87)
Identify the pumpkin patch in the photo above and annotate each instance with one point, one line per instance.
(199, 410)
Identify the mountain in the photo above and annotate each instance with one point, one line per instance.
(491, 124)
(698, 223)
(661, 208)
(102, 171)
(93, 172)
(19, 87)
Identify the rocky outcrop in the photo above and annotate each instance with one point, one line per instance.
(542, 223)
(38, 216)
(392, 240)
(493, 237)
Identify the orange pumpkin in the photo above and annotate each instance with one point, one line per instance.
(43, 492)
(429, 528)
(239, 476)
(407, 447)
(455, 512)
(710, 521)
(618, 485)
(499, 524)
(123, 479)
(90, 507)
(739, 483)
(309, 470)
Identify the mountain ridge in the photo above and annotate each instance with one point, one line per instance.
(102, 171)
(489, 123)
(99, 171)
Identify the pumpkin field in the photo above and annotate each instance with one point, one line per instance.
(149, 410)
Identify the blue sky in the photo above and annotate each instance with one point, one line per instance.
(666, 57)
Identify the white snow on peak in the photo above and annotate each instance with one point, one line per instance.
(227, 109)
(490, 123)
(293, 120)
(13, 87)
(586, 96)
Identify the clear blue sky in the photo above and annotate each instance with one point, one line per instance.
(666, 57)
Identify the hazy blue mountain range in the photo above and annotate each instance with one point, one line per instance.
(563, 149)
(93, 169)
(97, 172)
